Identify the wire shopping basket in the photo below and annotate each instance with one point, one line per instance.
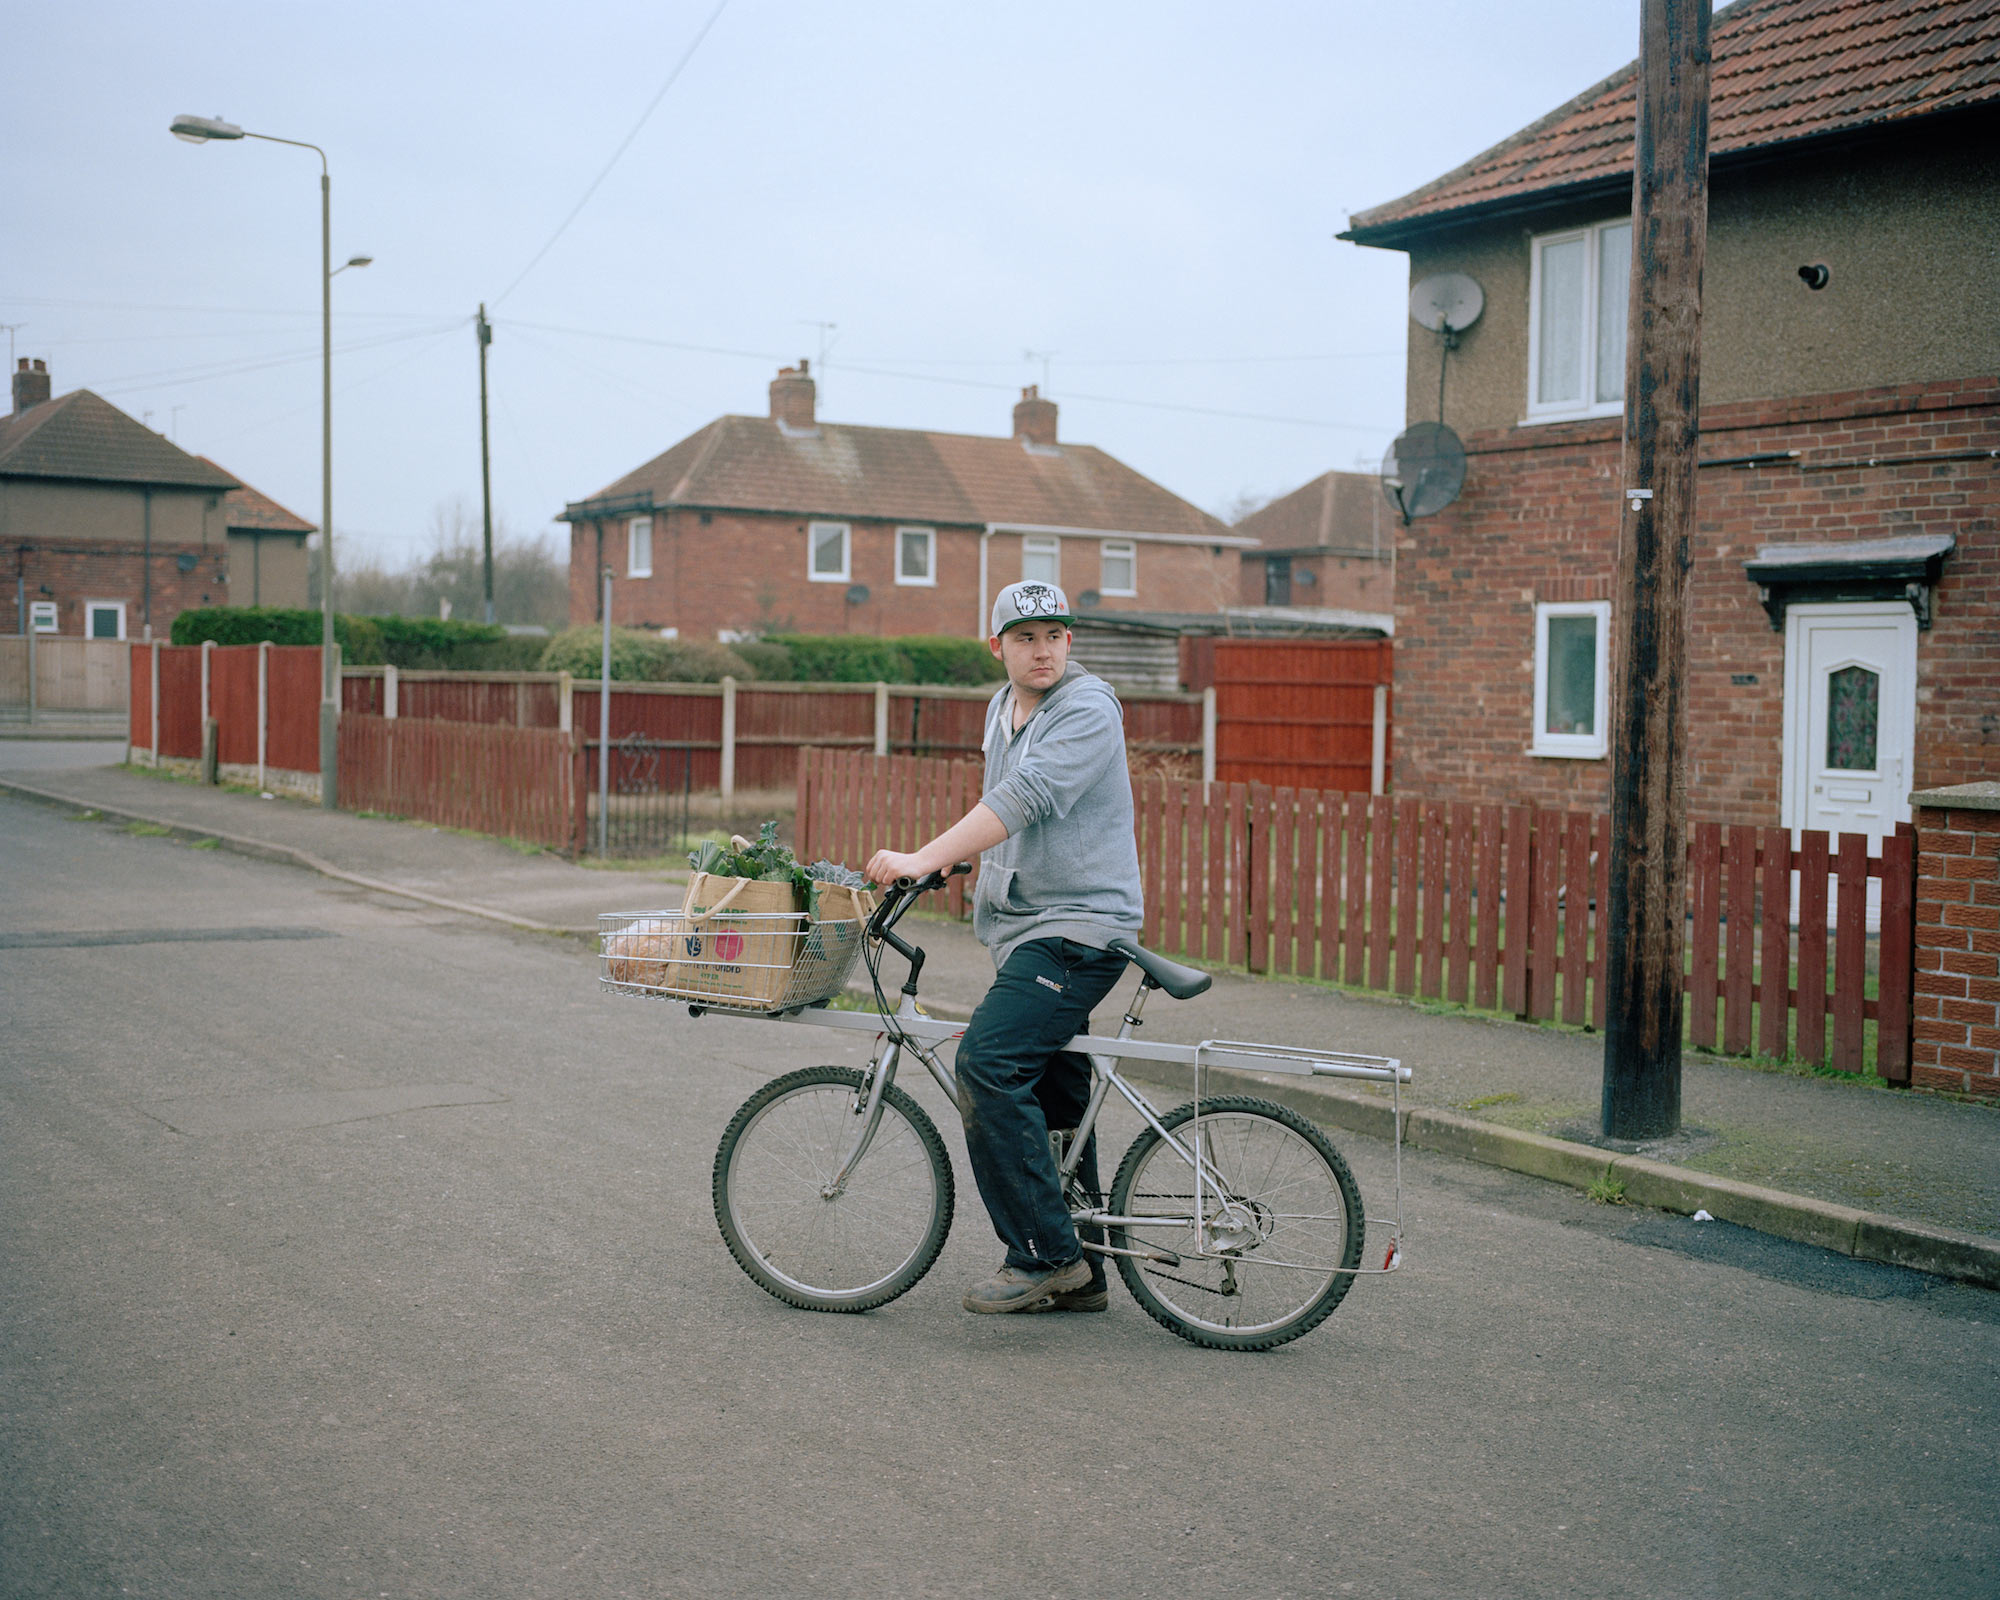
(743, 961)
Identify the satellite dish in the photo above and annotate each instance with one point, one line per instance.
(1424, 470)
(1447, 303)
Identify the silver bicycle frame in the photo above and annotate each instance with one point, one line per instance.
(924, 1033)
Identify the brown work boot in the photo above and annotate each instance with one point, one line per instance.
(1093, 1296)
(1012, 1289)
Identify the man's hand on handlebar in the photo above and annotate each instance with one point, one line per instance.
(886, 866)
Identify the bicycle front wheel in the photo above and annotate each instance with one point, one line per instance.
(1272, 1249)
(849, 1250)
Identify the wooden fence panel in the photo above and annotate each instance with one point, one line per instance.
(1705, 889)
(1600, 944)
(1813, 859)
(139, 711)
(1850, 952)
(1483, 903)
(508, 781)
(1431, 981)
(1460, 986)
(232, 701)
(1896, 955)
(1520, 892)
(1576, 916)
(1542, 938)
(1774, 975)
(1739, 911)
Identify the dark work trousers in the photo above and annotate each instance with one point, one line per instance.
(1015, 1083)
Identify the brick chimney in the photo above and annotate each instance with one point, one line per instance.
(1034, 418)
(792, 392)
(31, 384)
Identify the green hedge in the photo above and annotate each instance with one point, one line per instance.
(415, 643)
(359, 638)
(911, 658)
(641, 657)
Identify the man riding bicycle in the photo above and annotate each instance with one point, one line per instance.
(1058, 881)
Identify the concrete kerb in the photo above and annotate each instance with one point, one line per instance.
(286, 855)
(1864, 1235)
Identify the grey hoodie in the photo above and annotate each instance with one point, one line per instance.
(1069, 866)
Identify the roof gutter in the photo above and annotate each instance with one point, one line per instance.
(1219, 540)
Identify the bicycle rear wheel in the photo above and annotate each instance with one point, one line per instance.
(1283, 1233)
(849, 1251)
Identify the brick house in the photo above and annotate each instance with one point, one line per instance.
(785, 523)
(1845, 623)
(1330, 543)
(110, 531)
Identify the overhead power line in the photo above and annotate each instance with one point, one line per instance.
(644, 117)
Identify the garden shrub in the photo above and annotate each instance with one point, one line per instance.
(771, 662)
(909, 658)
(359, 638)
(641, 657)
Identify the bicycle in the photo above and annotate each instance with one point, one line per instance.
(1234, 1221)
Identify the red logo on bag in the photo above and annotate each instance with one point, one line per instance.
(728, 946)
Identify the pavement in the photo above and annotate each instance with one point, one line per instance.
(1891, 1176)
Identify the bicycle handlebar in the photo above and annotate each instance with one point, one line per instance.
(902, 894)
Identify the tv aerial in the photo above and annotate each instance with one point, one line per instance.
(1424, 470)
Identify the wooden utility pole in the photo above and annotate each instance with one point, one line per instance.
(485, 333)
(1646, 918)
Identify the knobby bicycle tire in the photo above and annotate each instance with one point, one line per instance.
(1273, 1160)
(859, 1249)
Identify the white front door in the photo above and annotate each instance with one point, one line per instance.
(1850, 717)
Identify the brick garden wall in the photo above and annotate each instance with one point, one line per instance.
(1955, 1040)
(746, 571)
(1538, 521)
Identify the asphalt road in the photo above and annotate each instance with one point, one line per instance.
(354, 1250)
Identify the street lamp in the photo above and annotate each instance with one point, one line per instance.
(200, 130)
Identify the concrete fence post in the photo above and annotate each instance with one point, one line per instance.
(881, 719)
(390, 685)
(263, 712)
(728, 743)
(209, 732)
(1207, 737)
(565, 707)
(1378, 758)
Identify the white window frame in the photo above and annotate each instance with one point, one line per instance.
(43, 617)
(637, 532)
(1585, 405)
(846, 532)
(90, 610)
(1129, 550)
(1573, 746)
(1052, 548)
(929, 579)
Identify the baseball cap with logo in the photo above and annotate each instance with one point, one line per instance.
(1029, 602)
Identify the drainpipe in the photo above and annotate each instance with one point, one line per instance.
(985, 537)
(146, 568)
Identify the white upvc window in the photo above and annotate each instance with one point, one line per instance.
(104, 619)
(826, 559)
(1118, 567)
(1578, 294)
(916, 556)
(42, 616)
(1572, 679)
(639, 548)
(1041, 561)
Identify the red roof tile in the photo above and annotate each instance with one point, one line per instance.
(1336, 511)
(901, 474)
(1783, 70)
(248, 508)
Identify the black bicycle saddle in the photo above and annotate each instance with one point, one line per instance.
(1183, 983)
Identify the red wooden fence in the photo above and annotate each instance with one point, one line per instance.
(1496, 907)
(1297, 711)
(509, 781)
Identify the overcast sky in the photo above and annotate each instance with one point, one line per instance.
(1148, 191)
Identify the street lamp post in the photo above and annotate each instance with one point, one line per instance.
(199, 130)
